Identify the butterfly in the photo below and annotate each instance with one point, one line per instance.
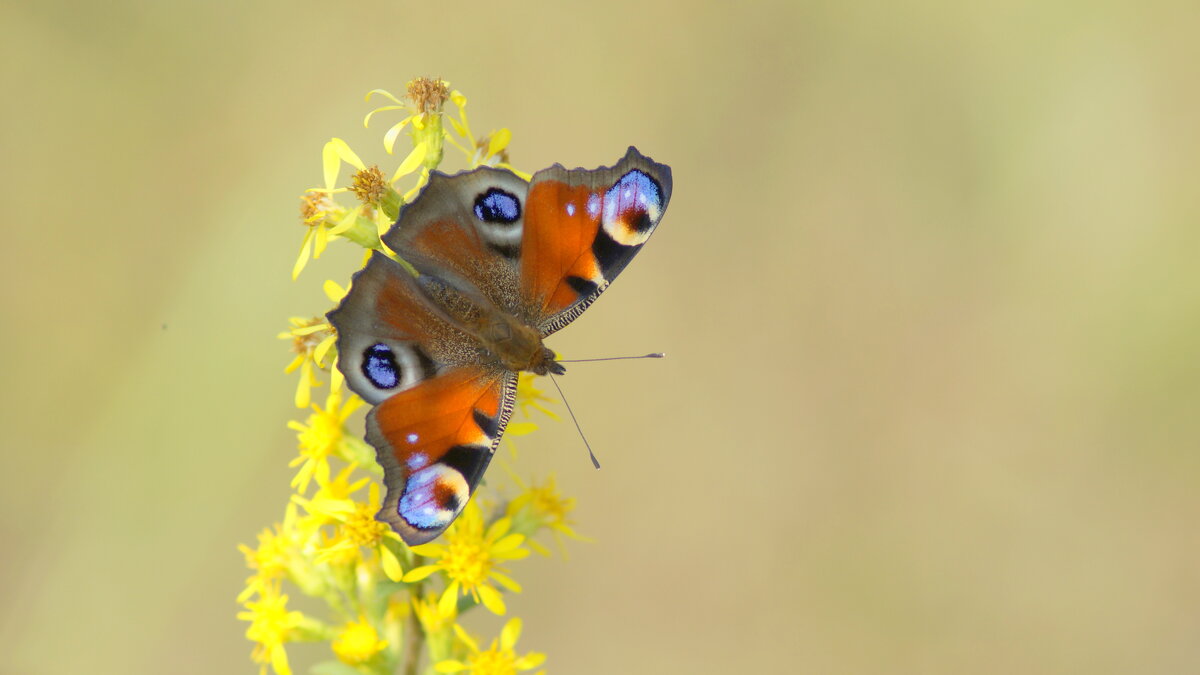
(489, 266)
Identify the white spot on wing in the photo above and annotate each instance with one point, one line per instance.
(570, 208)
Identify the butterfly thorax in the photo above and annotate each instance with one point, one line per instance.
(517, 346)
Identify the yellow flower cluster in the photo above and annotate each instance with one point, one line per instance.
(389, 607)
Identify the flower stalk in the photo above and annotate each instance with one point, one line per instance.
(386, 607)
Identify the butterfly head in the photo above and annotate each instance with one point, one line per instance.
(545, 364)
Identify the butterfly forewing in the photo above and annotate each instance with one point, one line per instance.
(582, 227)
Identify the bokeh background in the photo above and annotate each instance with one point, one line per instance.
(927, 284)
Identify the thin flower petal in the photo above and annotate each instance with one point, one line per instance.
(499, 529)
(530, 661)
(492, 599)
(305, 252)
(467, 639)
(506, 581)
(449, 667)
(420, 573)
(346, 221)
(391, 564)
(510, 633)
(449, 600)
(508, 543)
(333, 291)
(411, 162)
(330, 165)
(367, 119)
(383, 92)
(347, 155)
(499, 141)
(389, 139)
(323, 349)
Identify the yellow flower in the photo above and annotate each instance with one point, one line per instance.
(318, 214)
(544, 506)
(322, 436)
(498, 659)
(470, 558)
(358, 642)
(311, 340)
(272, 558)
(271, 624)
(356, 529)
(436, 625)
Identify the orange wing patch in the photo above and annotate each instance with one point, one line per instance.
(434, 442)
(561, 222)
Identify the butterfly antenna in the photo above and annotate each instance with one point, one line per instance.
(563, 396)
(655, 355)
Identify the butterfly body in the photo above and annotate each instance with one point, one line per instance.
(492, 265)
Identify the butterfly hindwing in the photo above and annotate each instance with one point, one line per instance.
(434, 442)
(582, 227)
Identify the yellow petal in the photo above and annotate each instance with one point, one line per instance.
(510, 633)
(346, 221)
(499, 529)
(449, 601)
(322, 239)
(323, 348)
(303, 389)
(530, 661)
(411, 162)
(449, 667)
(508, 543)
(466, 639)
(492, 600)
(384, 93)
(333, 291)
(391, 564)
(419, 573)
(459, 99)
(520, 428)
(506, 581)
(296, 363)
(525, 175)
(347, 155)
(330, 165)
(458, 128)
(499, 141)
(279, 661)
(305, 251)
(367, 119)
(389, 139)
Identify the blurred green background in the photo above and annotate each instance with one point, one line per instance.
(927, 286)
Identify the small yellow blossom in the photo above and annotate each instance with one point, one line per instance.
(358, 642)
(498, 659)
(544, 506)
(311, 341)
(316, 210)
(322, 436)
(470, 559)
(271, 624)
(272, 558)
(357, 528)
